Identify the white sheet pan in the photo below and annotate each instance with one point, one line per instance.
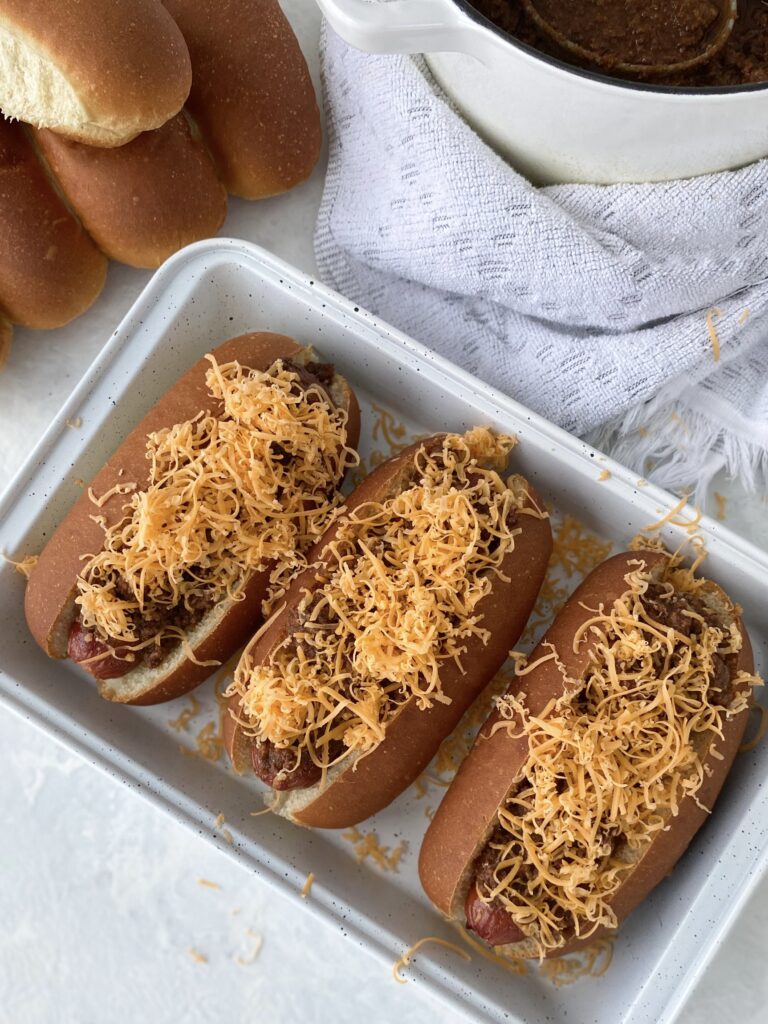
(220, 288)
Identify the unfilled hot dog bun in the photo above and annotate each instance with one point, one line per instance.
(98, 71)
(467, 815)
(145, 200)
(363, 784)
(50, 598)
(50, 270)
(251, 93)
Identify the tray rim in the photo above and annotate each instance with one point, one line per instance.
(222, 247)
(163, 795)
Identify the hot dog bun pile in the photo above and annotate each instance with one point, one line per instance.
(108, 163)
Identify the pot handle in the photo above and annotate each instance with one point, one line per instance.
(400, 26)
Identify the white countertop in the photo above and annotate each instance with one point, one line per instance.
(99, 894)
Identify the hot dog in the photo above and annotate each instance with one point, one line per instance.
(159, 571)
(411, 602)
(596, 769)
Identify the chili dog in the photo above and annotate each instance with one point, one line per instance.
(412, 602)
(160, 570)
(596, 769)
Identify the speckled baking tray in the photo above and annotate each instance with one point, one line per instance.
(217, 289)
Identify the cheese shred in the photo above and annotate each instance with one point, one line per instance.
(25, 566)
(712, 332)
(368, 846)
(405, 960)
(591, 962)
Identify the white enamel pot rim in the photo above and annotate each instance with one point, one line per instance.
(431, 26)
(554, 122)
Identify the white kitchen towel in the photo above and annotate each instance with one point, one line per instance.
(634, 314)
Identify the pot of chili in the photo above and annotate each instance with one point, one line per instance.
(631, 114)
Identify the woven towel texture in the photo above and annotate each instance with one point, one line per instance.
(634, 314)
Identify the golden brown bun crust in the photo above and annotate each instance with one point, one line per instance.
(144, 201)
(50, 270)
(413, 736)
(6, 337)
(126, 63)
(467, 813)
(49, 601)
(252, 95)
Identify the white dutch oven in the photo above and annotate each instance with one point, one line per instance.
(553, 122)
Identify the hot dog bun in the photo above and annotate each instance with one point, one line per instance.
(361, 785)
(50, 270)
(6, 337)
(251, 93)
(467, 816)
(142, 201)
(50, 597)
(94, 70)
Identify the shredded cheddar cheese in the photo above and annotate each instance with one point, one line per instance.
(397, 600)
(392, 432)
(721, 502)
(25, 566)
(457, 745)
(674, 518)
(197, 956)
(256, 943)
(712, 332)
(612, 759)
(408, 955)
(208, 884)
(102, 499)
(387, 427)
(367, 845)
(186, 715)
(575, 552)
(228, 494)
(518, 967)
(591, 962)
(209, 743)
(306, 889)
